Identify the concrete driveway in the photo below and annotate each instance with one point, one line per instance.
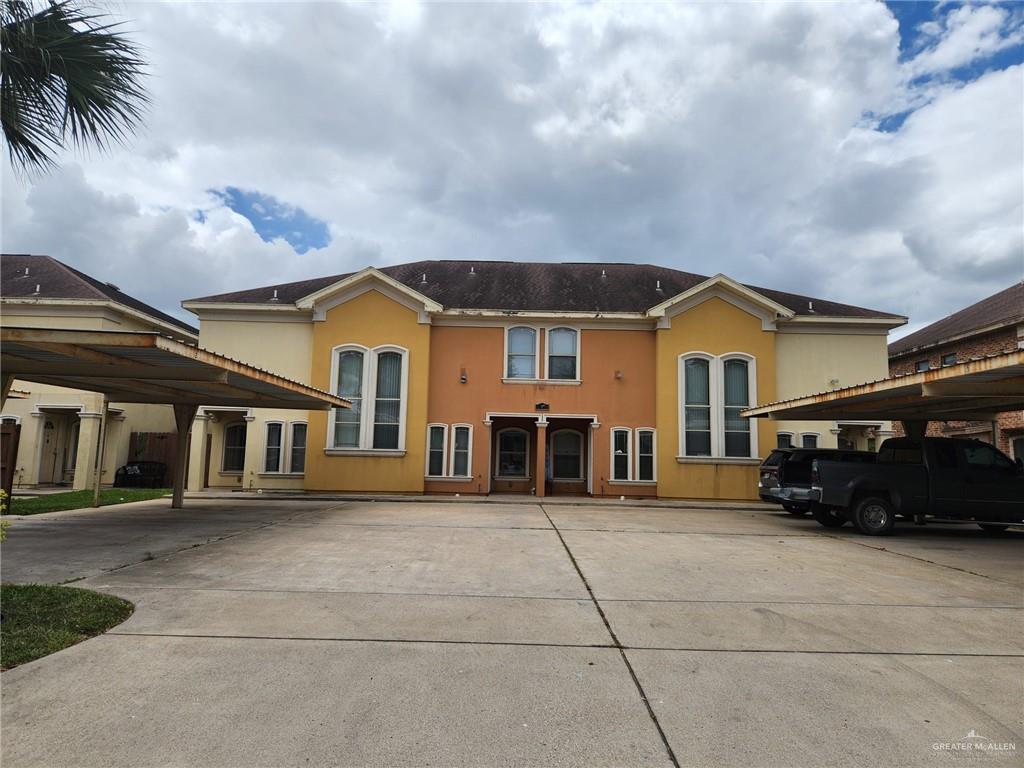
(295, 633)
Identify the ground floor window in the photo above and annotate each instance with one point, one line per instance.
(461, 441)
(567, 455)
(436, 438)
(620, 454)
(298, 449)
(233, 459)
(513, 452)
(645, 454)
(275, 439)
(810, 440)
(784, 440)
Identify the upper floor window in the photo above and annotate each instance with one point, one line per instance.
(375, 382)
(522, 353)
(714, 391)
(949, 359)
(562, 354)
(922, 365)
(234, 448)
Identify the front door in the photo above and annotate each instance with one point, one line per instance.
(567, 457)
(49, 457)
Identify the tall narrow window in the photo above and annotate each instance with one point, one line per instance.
(435, 449)
(562, 346)
(347, 421)
(513, 451)
(737, 399)
(620, 454)
(234, 448)
(388, 405)
(645, 454)
(697, 406)
(522, 353)
(272, 458)
(297, 457)
(460, 451)
(567, 455)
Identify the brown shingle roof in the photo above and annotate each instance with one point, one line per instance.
(541, 287)
(1003, 308)
(56, 280)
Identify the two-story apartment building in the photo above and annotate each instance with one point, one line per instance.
(60, 427)
(988, 327)
(496, 377)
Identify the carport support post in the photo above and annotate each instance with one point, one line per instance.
(8, 381)
(539, 472)
(98, 469)
(184, 413)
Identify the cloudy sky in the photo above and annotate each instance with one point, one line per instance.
(861, 152)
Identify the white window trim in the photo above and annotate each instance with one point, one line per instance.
(654, 453)
(444, 451)
(551, 447)
(469, 453)
(497, 455)
(10, 417)
(266, 447)
(629, 457)
(536, 353)
(291, 444)
(816, 435)
(224, 447)
(716, 382)
(369, 395)
(547, 353)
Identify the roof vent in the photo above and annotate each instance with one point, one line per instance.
(810, 306)
(26, 271)
(274, 297)
(603, 273)
(423, 281)
(472, 270)
(37, 288)
(657, 285)
(111, 285)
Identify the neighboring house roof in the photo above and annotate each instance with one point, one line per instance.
(999, 310)
(540, 287)
(56, 280)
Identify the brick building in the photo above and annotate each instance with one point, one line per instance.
(993, 325)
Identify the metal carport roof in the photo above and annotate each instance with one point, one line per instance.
(149, 368)
(974, 390)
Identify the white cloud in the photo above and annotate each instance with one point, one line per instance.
(706, 137)
(968, 33)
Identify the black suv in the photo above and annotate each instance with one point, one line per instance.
(785, 476)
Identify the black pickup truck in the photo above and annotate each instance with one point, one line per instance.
(938, 478)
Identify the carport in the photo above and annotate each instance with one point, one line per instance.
(149, 368)
(974, 390)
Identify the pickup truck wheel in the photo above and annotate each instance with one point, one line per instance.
(793, 509)
(874, 516)
(993, 527)
(827, 517)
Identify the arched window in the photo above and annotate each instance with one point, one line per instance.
(563, 353)
(713, 392)
(567, 455)
(375, 382)
(513, 453)
(234, 448)
(521, 348)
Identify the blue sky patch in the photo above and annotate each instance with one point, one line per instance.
(273, 219)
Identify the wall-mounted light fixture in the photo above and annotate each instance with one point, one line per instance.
(619, 375)
(463, 378)
(542, 407)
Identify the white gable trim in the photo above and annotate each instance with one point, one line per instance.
(366, 280)
(727, 289)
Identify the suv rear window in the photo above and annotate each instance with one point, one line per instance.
(774, 459)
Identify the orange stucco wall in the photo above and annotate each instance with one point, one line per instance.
(627, 401)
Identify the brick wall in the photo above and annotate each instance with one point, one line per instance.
(1011, 424)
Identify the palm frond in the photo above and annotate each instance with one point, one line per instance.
(66, 74)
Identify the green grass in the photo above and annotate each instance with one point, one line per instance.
(40, 619)
(55, 502)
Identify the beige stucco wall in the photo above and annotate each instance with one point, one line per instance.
(285, 348)
(91, 317)
(807, 363)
